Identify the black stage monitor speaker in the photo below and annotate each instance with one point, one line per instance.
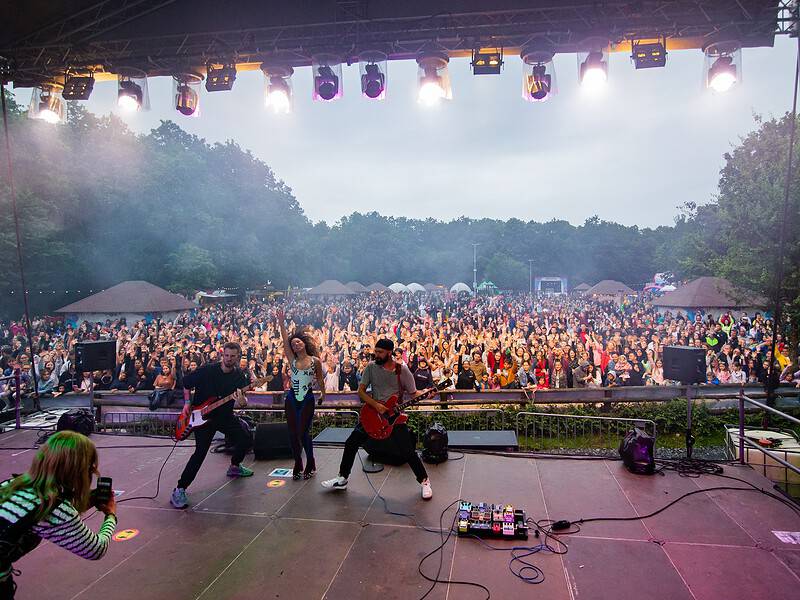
(95, 356)
(272, 441)
(685, 364)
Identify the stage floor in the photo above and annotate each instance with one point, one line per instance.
(242, 539)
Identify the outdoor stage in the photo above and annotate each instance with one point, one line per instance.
(241, 539)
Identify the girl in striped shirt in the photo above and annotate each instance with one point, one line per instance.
(47, 502)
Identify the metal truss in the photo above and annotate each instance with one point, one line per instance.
(106, 35)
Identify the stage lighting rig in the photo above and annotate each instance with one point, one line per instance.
(593, 70)
(433, 78)
(487, 61)
(220, 77)
(78, 87)
(132, 93)
(538, 73)
(186, 92)
(723, 63)
(649, 55)
(327, 78)
(47, 105)
(278, 92)
(372, 67)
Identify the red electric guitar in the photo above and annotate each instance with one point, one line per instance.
(379, 426)
(195, 416)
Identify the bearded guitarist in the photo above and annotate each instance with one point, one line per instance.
(384, 378)
(216, 380)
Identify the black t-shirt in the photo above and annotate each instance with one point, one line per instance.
(210, 381)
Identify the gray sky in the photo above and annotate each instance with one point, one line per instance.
(654, 140)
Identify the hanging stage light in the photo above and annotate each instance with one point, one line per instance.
(327, 71)
(723, 65)
(278, 93)
(47, 105)
(78, 87)
(372, 66)
(538, 73)
(129, 95)
(646, 56)
(487, 61)
(220, 77)
(434, 79)
(594, 70)
(186, 92)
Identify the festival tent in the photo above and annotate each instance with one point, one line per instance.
(331, 287)
(357, 287)
(488, 288)
(712, 295)
(415, 287)
(131, 300)
(581, 288)
(609, 288)
(377, 287)
(399, 288)
(460, 287)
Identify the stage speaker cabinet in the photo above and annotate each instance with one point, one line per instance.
(272, 441)
(96, 356)
(685, 364)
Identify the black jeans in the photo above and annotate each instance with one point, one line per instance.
(400, 435)
(299, 416)
(228, 424)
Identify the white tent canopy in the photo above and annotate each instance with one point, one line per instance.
(415, 287)
(399, 288)
(461, 287)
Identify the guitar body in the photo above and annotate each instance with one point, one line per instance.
(191, 419)
(379, 426)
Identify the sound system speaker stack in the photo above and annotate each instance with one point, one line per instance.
(272, 441)
(95, 356)
(685, 364)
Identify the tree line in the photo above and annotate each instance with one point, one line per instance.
(99, 204)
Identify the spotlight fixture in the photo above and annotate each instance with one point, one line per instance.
(47, 105)
(185, 91)
(487, 61)
(649, 55)
(594, 70)
(538, 73)
(78, 87)
(278, 93)
(220, 77)
(434, 79)
(327, 71)
(723, 65)
(373, 68)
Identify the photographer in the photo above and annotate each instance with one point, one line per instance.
(47, 502)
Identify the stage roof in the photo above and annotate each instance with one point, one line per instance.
(163, 37)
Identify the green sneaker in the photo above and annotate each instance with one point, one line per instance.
(239, 471)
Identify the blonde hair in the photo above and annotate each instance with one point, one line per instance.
(61, 470)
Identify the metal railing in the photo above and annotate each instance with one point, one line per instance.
(560, 433)
(768, 454)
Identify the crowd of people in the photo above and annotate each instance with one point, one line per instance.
(466, 343)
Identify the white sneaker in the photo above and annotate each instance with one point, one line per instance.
(427, 490)
(337, 483)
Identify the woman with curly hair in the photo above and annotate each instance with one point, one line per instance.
(305, 365)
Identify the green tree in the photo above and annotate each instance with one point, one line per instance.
(507, 273)
(191, 267)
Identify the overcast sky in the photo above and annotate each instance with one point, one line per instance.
(652, 141)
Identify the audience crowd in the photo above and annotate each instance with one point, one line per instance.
(483, 343)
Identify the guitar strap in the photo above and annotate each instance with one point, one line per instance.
(397, 369)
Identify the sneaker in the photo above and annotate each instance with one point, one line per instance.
(337, 483)
(427, 490)
(178, 498)
(239, 471)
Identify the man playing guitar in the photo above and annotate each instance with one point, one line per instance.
(385, 378)
(216, 380)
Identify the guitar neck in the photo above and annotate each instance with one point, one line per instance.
(229, 397)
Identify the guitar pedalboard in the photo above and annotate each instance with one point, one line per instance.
(500, 521)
